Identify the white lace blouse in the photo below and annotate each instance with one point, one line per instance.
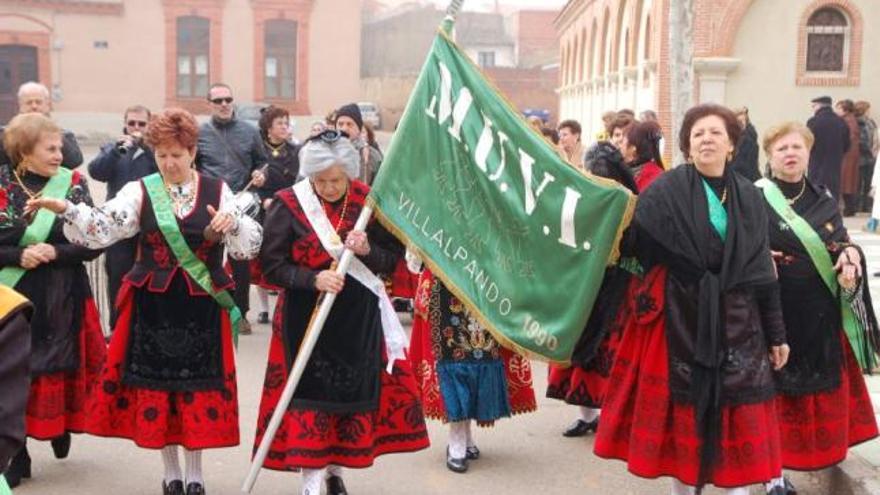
(119, 218)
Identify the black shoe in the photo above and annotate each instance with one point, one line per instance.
(789, 487)
(456, 465)
(580, 428)
(195, 489)
(263, 317)
(472, 453)
(335, 486)
(19, 468)
(173, 488)
(61, 446)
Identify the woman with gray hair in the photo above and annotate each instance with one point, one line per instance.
(357, 398)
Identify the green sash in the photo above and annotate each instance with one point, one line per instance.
(717, 213)
(821, 259)
(4, 488)
(188, 261)
(38, 231)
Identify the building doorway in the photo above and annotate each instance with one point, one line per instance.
(18, 65)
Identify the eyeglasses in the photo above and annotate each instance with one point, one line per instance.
(328, 136)
(220, 101)
(136, 123)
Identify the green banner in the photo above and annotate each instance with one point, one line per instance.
(521, 237)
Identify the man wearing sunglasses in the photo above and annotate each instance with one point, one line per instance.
(119, 162)
(232, 150)
(34, 97)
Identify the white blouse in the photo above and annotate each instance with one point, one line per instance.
(119, 218)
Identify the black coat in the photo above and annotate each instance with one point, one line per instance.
(118, 169)
(832, 142)
(745, 162)
(15, 347)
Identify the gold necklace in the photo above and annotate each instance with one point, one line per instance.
(724, 195)
(30, 194)
(275, 149)
(803, 189)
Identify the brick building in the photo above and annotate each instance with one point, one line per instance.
(518, 52)
(99, 56)
(769, 55)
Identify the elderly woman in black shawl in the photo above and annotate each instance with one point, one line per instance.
(692, 381)
(824, 407)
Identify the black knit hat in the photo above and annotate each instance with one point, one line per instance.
(822, 100)
(353, 112)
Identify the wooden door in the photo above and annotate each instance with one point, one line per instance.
(18, 65)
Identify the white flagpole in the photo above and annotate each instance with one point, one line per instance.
(302, 358)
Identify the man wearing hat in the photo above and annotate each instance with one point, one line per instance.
(350, 121)
(832, 142)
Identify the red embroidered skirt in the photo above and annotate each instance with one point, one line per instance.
(57, 401)
(656, 437)
(314, 439)
(818, 429)
(154, 419)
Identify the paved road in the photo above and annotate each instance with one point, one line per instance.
(525, 455)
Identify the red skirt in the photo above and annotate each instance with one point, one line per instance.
(158, 418)
(818, 429)
(657, 437)
(57, 401)
(257, 275)
(314, 439)
(403, 282)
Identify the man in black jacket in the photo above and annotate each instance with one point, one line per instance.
(34, 97)
(832, 142)
(118, 163)
(231, 150)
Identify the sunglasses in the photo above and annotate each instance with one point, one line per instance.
(136, 123)
(220, 101)
(328, 136)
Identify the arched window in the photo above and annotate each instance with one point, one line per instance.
(193, 49)
(827, 41)
(279, 62)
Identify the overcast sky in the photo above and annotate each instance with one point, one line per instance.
(485, 5)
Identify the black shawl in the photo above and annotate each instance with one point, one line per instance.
(674, 214)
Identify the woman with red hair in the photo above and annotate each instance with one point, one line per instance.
(169, 380)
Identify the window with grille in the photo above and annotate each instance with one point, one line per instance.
(279, 63)
(827, 41)
(193, 49)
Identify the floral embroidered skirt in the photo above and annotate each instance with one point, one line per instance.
(57, 401)
(818, 429)
(655, 436)
(314, 439)
(155, 418)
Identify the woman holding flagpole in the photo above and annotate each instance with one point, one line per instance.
(691, 391)
(357, 398)
(67, 346)
(169, 380)
(824, 406)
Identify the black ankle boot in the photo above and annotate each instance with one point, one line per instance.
(195, 488)
(335, 486)
(174, 487)
(61, 446)
(19, 468)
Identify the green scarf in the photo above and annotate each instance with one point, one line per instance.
(821, 259)
(4, 487)
(38, 231)
(193, 266)
(717, 213)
